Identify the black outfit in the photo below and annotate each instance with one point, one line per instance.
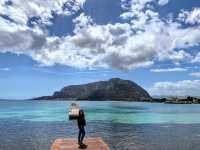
(81, 125)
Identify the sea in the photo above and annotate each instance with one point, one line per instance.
(34, 125)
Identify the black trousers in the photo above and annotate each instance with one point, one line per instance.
(81, 134)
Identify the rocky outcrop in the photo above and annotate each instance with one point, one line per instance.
(113, 89)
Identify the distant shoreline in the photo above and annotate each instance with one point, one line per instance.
(172, 100)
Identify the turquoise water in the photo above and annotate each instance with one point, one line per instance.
(34, 125)
(114, 112)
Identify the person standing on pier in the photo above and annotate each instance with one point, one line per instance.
(81, 125)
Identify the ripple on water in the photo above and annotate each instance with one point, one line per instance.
(40, 135)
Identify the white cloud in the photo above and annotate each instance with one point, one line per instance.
(21, 11)
(17, 37)
(179, 88)
(138, 43)
(163, 2)
(196, 58)
(191, 17)
(82, 21)
(21, 40)
(169, 70)
(5, 69)
(195, 74)
(80, 2)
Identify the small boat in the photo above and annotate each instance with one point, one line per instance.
(73, 111)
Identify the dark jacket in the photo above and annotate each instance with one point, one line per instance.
(81, 121)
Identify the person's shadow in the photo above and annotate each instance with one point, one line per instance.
(82, 146)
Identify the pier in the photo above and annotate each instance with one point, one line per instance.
(71, 144)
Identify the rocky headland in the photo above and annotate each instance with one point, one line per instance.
(113, 89)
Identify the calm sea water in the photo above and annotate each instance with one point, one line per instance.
(34, 125)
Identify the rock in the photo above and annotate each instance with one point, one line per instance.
(113, 89)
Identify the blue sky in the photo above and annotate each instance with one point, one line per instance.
(45, 46)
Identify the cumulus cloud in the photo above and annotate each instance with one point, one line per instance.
(196, 58)
(17, 37)
(21, 11)
(117, 45)
(169, 70)
(144, 39)
(179, 88)
(21, 41)
(191, 17)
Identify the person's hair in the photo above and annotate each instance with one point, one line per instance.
(81, 113)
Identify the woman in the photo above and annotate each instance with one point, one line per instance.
(81, 125)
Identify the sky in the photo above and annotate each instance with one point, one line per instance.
(46, 45)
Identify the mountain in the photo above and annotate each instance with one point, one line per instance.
(113, 89)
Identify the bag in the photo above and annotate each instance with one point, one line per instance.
(73, 111)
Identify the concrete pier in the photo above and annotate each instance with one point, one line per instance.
(71, 144)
